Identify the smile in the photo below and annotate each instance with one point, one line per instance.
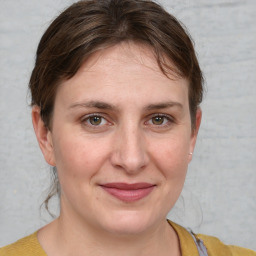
(128, 192)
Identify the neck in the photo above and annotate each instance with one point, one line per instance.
(65, 236)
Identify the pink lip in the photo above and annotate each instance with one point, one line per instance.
(128, 192)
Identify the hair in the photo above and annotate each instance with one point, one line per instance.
(89, 26)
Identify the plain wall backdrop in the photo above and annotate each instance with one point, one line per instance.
(220, 190)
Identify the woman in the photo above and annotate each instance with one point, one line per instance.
(116, 90)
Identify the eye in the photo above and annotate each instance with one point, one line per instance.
(160, 120)
(94, 120)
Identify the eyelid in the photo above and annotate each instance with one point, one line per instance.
(101, 115)
(87, 116)
(170, 119)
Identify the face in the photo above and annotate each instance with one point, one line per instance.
(120, 138)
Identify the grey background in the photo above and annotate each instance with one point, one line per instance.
(219, 195)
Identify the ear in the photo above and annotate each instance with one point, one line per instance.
(43, 135)
(195, 132)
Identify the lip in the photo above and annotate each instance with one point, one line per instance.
(128, 192)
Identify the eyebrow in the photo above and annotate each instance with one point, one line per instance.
(93, 104)
(104, 105)
(163, 105)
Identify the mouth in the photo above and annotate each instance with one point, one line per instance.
(128, 192)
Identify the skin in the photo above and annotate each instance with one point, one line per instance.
(142, 133)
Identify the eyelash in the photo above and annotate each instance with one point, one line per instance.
(168, 120)
(86, 120)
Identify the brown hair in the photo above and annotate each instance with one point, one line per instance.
(87, 26)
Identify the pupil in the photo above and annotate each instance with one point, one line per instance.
(95, 120)
(158, 120)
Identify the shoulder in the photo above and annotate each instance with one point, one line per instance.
(192, 245)
(216, 247)
(26, 246)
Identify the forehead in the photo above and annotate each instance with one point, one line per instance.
(129, 52)
(122, 71)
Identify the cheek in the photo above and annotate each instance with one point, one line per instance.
(174, 165)
(171, 158)
(172, 153)
(78, 157)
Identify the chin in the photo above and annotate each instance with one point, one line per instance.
(129, 222)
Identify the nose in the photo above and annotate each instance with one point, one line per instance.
(129, 150)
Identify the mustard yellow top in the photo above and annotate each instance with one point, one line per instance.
(29, 246)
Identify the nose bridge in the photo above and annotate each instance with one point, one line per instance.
(130, 152)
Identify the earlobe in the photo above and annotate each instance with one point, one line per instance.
(43, 135)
